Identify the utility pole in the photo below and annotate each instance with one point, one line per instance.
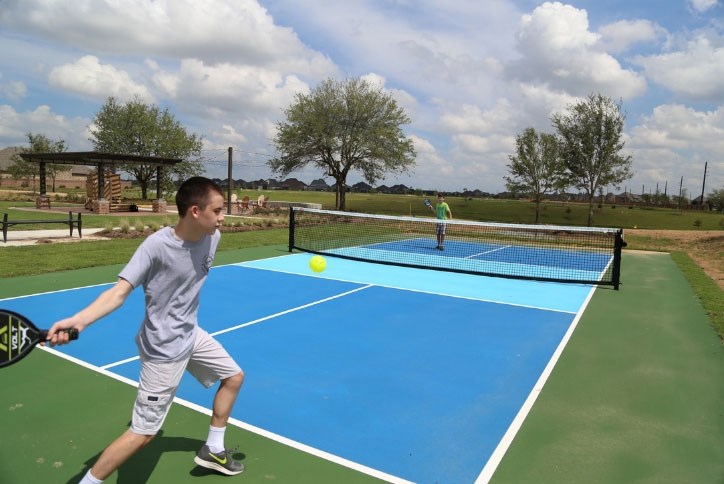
(681, 185)
(703, 184)
(230, 182)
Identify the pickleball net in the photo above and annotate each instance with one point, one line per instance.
(585, 255)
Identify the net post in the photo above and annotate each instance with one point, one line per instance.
(291, 228)
(618, 246)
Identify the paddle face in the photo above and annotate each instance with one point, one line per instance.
(18, 336)
(427, 202)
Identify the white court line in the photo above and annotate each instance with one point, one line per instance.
(487, 473)
(303, 447)
(386, 286)
(256, 321)
(57, 291)
(245, 426)
(24, 296)
(488, 252)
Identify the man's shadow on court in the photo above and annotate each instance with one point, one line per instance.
(138, 469)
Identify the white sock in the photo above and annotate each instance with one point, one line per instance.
(216, 439)
(89, 479)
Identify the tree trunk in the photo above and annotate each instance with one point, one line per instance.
(590, 210)
(342, 196)
(537, 211)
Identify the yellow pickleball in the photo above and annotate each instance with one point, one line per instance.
(317, 263)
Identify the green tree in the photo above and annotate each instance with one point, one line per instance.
(591, 142)
(716, 200)
(135, 128)
(340, 127)
(536, 169)
(38, 143)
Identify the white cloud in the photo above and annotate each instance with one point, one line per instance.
(702, 6)
(471, 75)
(88, 77)
(696, 71)
(675, 141)
(238, 32)
(224, 88)
(680, 127)
(559, 50)
(540, 102)
(15, 125)
(13, 91)
(620, 36)
(374, 80)
(471, 119)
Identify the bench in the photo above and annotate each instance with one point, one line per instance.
(70, 222)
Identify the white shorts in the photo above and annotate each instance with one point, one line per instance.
(159, 380)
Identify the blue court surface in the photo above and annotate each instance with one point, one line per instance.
(404, 374)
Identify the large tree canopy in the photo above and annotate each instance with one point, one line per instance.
(344, 126)
(591, 135)
(135, 128)
(536, 168)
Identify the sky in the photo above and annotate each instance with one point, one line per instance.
(470, 74)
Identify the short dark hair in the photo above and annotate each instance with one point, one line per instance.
(441, 194)
(195, 191)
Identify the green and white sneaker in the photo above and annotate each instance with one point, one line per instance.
(220, 462)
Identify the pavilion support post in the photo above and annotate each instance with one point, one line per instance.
(43, 200)
(43, 184)
(159, 204)
(101, 206)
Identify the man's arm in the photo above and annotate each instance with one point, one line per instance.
(108, 301)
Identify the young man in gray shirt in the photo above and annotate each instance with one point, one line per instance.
(171, 265)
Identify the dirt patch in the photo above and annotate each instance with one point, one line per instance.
(705, 247)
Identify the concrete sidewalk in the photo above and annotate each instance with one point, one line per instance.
(32, 237)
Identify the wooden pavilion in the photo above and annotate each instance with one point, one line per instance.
(103, 162)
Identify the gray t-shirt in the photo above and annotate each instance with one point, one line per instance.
(171, 272)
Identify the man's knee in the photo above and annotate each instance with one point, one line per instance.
(234, 382)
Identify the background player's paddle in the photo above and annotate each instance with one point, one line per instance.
(18, 336)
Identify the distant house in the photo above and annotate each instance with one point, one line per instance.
(361, 187)
(318, 185)
(257, 185)
(347, 188)
(273, 184)
(626, 198)
(383, 189)
(399, 189)
(697, 201)
(293, 184)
